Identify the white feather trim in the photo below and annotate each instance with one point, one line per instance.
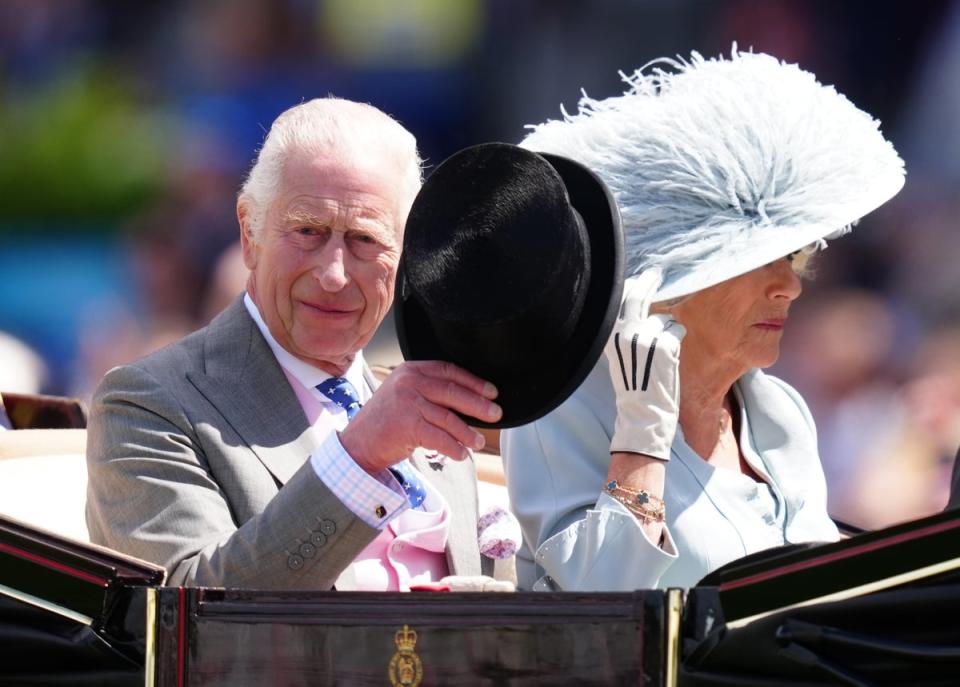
(719, 163)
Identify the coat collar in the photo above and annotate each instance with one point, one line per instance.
(779, 430)
(244, 382)
(782, 432)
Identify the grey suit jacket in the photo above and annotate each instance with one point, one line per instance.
(198, 461)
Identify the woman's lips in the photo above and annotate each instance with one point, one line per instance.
(772, 324)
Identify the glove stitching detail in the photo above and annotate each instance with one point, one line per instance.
(646, 369)
(623, 369)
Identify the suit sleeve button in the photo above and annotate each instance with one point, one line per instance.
(328, 527)
(318, 539)
(295, 562)
(307, 550)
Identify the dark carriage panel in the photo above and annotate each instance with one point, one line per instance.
(71, 613)
(218, 637)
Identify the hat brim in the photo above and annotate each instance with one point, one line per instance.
(753, 250)
(737, 259)
(531, 394)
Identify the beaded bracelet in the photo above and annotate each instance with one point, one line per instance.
(642, 504)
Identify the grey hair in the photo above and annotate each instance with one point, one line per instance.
(802, 260)
(329, 126)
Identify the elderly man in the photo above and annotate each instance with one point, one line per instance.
(228, 457)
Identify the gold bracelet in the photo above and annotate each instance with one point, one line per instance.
(637, 511)
(643, 504)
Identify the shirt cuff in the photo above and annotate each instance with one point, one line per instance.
(375, 499)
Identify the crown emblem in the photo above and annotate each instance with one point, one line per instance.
(405, 669)
(406, 639)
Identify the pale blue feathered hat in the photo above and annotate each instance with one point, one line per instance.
(720, 166)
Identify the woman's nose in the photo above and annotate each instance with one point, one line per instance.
(784, 281)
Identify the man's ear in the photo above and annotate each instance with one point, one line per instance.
(247, 242)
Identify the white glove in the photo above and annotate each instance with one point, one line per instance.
(644, 357)
(476, 583)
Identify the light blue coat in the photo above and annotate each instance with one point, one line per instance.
(577, 538)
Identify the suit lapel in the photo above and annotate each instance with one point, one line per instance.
(456, 481)
(246, 385)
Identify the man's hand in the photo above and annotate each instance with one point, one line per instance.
(415, 407)
(644, 357)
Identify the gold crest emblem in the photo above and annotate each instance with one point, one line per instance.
(405, 669)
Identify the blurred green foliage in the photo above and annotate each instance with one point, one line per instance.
(414, 33)
(82, 149)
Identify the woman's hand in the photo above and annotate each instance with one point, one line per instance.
(644, 357)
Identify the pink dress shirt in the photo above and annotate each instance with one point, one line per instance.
(410, 548)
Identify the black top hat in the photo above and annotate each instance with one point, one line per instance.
(512, 268)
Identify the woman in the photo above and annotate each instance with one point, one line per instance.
(678, 454)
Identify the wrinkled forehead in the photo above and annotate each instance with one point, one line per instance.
(365, 175)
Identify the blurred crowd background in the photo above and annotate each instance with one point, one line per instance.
(126, 128)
